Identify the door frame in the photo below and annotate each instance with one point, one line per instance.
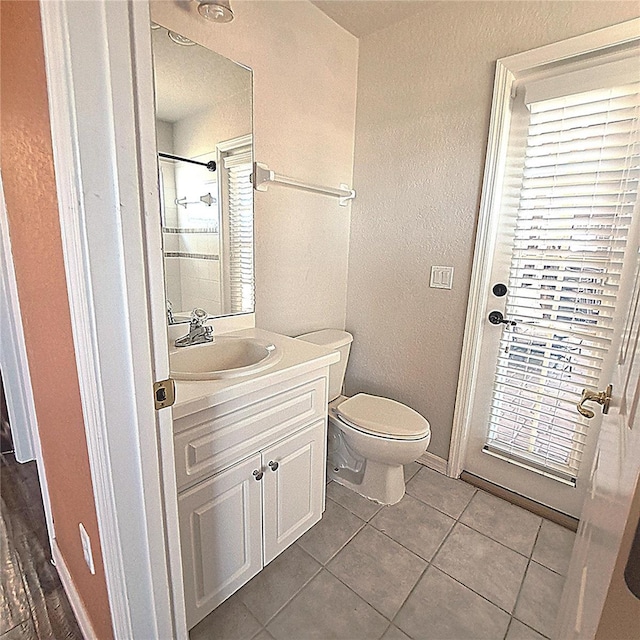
(99, 53)
(508, 70)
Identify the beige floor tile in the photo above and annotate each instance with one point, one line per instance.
(324, 609)
(230, 621)
(393, 633)
(514, 527)
(337, 527)
(554, 546)
(278, 582)
(378, 569)
(519, 631)
(354, 502)
(539, 599)
(439, 607)
(448, 495)
(415, 525)
(411, 469)
(483, 565)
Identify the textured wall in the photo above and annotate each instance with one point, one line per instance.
(305, 70)
(30, 191)
(424, 100)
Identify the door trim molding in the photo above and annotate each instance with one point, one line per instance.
(66, 149)
(92, 50)
(507, 71)
(483, 251)
(432, 461)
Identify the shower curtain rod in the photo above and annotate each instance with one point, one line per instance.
(211, 165)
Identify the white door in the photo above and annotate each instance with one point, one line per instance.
(293, 487)
(221, 536)
(554, 308)
(596, 570)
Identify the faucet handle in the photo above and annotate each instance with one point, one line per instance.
(198, 317)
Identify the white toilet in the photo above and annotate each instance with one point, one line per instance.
(370, 438)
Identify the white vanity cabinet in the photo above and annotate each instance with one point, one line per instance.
(251, 480)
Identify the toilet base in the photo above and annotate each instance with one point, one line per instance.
(382, 483)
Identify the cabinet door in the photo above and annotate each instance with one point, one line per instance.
(294, 486)
(221, 536)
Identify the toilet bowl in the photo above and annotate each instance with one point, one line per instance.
(370, 437)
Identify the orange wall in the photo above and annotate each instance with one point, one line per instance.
(30, 193)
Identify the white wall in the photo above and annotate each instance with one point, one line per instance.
(201, 132)
(305, 72)
(424, 99)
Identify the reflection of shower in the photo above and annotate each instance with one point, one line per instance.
(211, 165)
(207, 199)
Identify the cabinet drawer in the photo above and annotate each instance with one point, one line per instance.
(228, 432)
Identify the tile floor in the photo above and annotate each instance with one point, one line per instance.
(447, 562)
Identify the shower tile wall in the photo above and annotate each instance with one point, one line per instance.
(192, 274)
(199, 246)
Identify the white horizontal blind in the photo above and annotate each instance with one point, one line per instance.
(241, 274)
(579, 188)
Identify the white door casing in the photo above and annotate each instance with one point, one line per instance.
(507, 73)
(99, 53)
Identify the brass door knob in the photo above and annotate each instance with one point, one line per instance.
(601, 397)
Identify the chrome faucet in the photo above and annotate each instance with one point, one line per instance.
(198, 331)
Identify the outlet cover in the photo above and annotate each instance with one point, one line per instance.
(441, 277)
(86, 548)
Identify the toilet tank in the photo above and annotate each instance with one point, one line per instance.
(338, 341)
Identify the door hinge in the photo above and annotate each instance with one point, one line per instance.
(164, 393)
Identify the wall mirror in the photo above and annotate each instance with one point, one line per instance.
(205, 146)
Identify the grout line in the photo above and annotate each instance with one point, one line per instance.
(316, 573)
(411, 550)
(429, 564)
(529, 561)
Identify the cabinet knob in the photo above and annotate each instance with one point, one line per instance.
(273, 466)
(258, 474)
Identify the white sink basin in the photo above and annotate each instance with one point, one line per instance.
(226, 357)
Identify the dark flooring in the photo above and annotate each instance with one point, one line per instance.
(33, 604)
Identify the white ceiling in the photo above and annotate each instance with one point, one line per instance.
(192, 79)
(362, 17)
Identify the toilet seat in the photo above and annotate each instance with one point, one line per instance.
(382, 417)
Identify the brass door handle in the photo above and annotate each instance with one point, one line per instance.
(601, 397)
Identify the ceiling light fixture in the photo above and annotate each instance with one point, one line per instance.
(215, 10)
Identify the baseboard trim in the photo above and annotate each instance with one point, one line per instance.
(563, 519)
(433, 462)
(70, 589)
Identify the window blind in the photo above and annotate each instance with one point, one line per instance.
(578, 192)
(240, 193)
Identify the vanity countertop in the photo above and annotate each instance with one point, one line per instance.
(298, 357)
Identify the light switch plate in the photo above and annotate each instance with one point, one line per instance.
(441, 277)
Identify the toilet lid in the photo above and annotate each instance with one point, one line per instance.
(382, 416)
